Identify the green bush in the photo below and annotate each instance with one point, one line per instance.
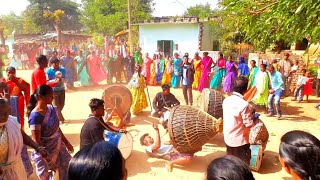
(313, 70)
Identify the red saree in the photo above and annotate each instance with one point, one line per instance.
(24, 97)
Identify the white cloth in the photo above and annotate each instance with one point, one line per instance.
(162, 151)
(237, 120)
(134, 82)
(302, 80)
(184, 72)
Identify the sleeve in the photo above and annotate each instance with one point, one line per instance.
(175, 100)
(155, 103)
(246, 115)
(35, 121)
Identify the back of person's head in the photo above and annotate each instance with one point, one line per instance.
(300, 152)
(41, 91)
(95, 103)
(228, 168)
(41, 58)
(99, 161)
(240, 85)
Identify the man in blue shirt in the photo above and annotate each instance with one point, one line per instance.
(57, 74)
(275, 92)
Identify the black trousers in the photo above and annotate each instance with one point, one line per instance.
(242, 152)
(59, 101)
(318, 88)
(187, 93)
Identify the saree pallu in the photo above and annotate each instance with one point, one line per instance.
(230, 77)
(197, 74)
(167, 73)
(160, 71)
(83, 75)
(153, 75)
(249, 95)
(176, 76)
(216, 81)
(204, 81)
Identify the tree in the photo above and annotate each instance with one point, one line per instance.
(56, 17)
(266, 22)
(8, 24)
(201, 11)
(108, 17)
(35, 23)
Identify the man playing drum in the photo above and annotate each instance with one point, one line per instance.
(93, 129)
(167, 152)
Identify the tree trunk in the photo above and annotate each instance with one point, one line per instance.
(59, 38)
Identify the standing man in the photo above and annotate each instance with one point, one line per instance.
(38, 75)
(57, 73)
(238, 118)
(285, 70)
(187, 70)
(275, 93)
(317, 62)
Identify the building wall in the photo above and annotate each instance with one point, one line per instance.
(207, 38)
(185, 35)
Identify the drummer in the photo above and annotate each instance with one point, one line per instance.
(94, 126)
(167, 152)
(163, 101)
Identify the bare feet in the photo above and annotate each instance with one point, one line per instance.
(169, 166)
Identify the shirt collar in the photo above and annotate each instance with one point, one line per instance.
(237, 94)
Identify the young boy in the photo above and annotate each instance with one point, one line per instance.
(301, 81)
(167, 152)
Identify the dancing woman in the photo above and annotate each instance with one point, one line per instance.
(168, 69)
(176, 77)
(218, 77)
(206, 62)
(198, 70)
(232, 72)
(44, 125)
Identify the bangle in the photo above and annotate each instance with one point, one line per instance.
(39, 148)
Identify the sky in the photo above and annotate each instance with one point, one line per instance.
(161, 8)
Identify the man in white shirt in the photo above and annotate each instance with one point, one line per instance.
(285, 70)
(237, 120)
(167, 152)
(301, 81)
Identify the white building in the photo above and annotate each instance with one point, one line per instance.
(187, 34)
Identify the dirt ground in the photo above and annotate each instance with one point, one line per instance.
(296, 116)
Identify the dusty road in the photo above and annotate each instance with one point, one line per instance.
(297, 116)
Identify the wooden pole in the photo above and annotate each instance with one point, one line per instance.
(129, 24)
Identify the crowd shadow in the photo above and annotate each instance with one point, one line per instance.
(293, 113)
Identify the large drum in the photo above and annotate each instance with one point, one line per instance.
(124, 142)
(190, 128)
(117, 102)
(211, 102)
(256, 157)
(259, 134)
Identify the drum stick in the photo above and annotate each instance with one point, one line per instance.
(148, 122)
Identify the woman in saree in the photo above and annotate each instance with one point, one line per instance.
(82, 69)
(147, 67)
(176, 76)
(243, 67)
(95, 68)
(153, 71)
(45, 130)
(160, 69)
(12, 140)
(206, 62)
(70, 65)
(221, 72)
(198, 70)
(19, 88)
(258, 94)
(253, 72)
(168, 69)
(137, 85)
(232, 73)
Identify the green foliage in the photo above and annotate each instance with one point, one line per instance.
(12, 22)
(313, 70)
(108, 17)
(201, 11)
(265, 22)
(35, 23)
(98, 40)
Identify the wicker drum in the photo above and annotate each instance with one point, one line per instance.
(190, 128)
(211, 102)
(259, 134)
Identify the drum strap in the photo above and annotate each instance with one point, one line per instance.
(103, 124)
(164, 101)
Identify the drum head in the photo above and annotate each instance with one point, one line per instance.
(125, 145)
(119, 97)
(256, 157)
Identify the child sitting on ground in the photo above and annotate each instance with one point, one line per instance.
(301, 81)
(167, 152)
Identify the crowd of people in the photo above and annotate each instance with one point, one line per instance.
(56, 72)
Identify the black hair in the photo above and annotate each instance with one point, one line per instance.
(3, 102)
(304, 70)
(95, 103)
(41, 58)
(254, 61)
(165, 86)
(99, 161)
(240, 84)
(42, 90)
(10, 68)
(301, 152)
(228, 168)
(54, 60)
(220, 54)
(142, 138)
(271, 66)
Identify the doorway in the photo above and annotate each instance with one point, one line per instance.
(166, 46)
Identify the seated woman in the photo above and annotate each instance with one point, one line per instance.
(167, 152)
(98, 161)
(228, 168)
(300, 155)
